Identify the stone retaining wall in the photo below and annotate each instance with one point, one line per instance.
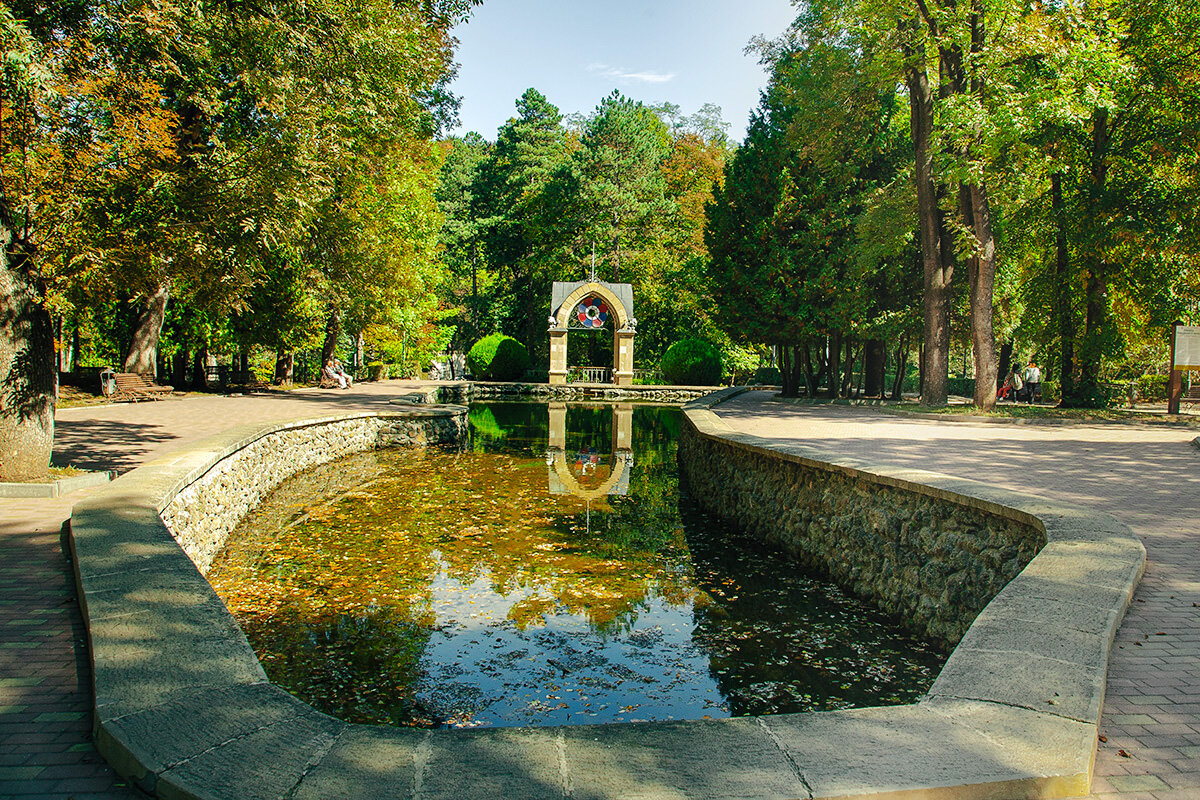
(466, 392)
(933, 562)
(184, 710)
(201, 516)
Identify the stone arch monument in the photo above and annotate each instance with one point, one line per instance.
(591, 305)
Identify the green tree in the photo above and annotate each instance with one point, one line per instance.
(461, 232)
(519, 215)
(75, 116)
(620, 191)
(789, 264)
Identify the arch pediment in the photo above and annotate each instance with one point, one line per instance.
(618, 296)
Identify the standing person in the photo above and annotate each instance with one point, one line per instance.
(1033, 380)
(1018, 384)
(1011, 390)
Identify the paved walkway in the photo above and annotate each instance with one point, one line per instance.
(1149, 476)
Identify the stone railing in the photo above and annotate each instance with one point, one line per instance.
(184, 709)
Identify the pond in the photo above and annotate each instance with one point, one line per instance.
(555, 572)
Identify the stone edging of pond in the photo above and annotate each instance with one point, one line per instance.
(184, 709)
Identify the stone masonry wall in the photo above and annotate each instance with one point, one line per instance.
(201, 516)
(932, 562)
(467, 392)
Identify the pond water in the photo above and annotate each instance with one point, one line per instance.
(554, 573)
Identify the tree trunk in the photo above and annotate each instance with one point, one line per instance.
(1095, 326)
(848, 375)
(833, 381)
(1064, 314)
(901, 368)
(200, 368)
(936, 267)
(873, 367)
(1006, 354)
(66, 350)
(28, 371)
(810, 377)
(981, 276)
(179, 367)
(285, 366)
(143, 349)
(333, 330)
(784, 372)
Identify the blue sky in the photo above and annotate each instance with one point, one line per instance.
(688, 52)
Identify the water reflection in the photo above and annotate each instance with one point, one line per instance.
(551, 574)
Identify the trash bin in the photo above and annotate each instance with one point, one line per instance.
(108, 382)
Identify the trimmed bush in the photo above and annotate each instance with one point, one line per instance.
(498, 358)
(767, 376)
(692, 362)
(1152, 388)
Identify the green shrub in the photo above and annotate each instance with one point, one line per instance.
(963, 387)
(767, 376)
(498, 358)
(692, 362)
(1152, 388)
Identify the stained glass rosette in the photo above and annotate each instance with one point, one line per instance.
(593, 312)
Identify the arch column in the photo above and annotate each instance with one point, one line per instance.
(558, 356)
(622, 358)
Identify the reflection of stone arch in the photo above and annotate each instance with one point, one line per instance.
(618, 297)
(617, 483)
(562, 481)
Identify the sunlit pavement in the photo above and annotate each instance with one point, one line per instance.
(1147, 475)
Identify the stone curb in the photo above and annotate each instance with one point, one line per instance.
(56, 488)
(184, 710)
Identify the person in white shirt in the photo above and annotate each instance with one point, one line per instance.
(1033, 381)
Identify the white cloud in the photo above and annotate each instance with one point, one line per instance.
(630, 77)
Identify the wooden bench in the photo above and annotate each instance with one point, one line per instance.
(133, 386)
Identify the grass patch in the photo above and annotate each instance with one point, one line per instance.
(1018, 411)
(58, 473)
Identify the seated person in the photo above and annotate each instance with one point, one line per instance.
(335, 374)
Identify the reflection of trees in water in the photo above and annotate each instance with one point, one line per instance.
(358, 667)
(337, 596)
